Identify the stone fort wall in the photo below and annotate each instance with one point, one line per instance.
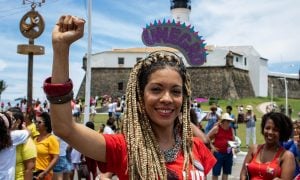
(218, 82)
(293, 87)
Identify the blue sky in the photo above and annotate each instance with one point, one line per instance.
(271, 26)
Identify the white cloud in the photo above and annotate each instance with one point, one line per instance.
(2, 65)
(271, 27)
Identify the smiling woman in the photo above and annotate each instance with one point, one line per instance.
(270, 160)
(163, 96)
(156, 141)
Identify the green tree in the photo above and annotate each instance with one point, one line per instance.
(3, 86)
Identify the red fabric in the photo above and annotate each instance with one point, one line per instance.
(54, 90)
(265, 171)
(116, 155)
(221, 139)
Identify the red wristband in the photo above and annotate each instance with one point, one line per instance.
(53, 90)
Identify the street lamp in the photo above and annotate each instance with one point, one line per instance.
(286, 95)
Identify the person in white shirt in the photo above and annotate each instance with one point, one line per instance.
(108, 129)
(76, 160)
(111, 108)
(63, 167)
(76, 111)
(93, 111)
(219, 110)
(24, 106)
(9, 141)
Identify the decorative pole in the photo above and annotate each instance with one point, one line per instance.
(88, 66)
(31, 26)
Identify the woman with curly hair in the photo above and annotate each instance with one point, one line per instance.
(8, 143)
(156, 140)
(270, 160)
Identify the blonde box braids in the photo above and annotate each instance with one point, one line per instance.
(145, 161)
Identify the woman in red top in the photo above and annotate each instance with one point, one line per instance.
(156, 140)
(220, 135)
(270, 160)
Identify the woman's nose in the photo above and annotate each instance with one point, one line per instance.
(166, 97)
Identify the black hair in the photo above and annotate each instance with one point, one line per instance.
(194, 118)
(18, 115)
(47, 121)
(110, 122)
(281, 121)
(229, 107)
(5, 141)
(90, 124)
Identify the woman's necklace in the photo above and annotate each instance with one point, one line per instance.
(268, 170)
(171, 154)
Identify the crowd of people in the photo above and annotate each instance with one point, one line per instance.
(35, 152)
(277, 157)
(157, 135)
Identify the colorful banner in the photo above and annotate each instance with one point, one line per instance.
(178, 36)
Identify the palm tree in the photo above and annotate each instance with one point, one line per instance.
(3, 86)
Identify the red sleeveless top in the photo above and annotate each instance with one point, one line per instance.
(222, 138)
(265, 171)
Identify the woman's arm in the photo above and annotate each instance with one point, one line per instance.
(218, 118)
(211, 134)
(68, 30)
(288, 165)
(50, 166)
(206, 117)
(29, 166)
(248, 158)
(233, 136)
(198, 133)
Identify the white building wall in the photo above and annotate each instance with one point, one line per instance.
(239, 62)
(216, 58)
(263, 84)
(257, 66)
(254, 73)
(109, 59)
(258, 72)
(181, 14)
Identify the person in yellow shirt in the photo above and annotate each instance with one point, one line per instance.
(29, 116)
(47, 148)
(25, 153)
(25, 160)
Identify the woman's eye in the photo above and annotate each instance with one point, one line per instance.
(177, 92)
(156, 90)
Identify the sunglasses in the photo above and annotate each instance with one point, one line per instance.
(38, 122)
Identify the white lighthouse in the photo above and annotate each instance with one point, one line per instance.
(180, 10)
